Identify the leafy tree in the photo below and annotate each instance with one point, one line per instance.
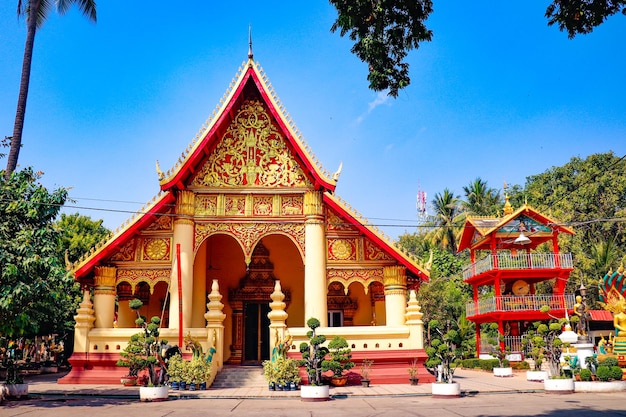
(582, 16)
(446, 223)
(480, 199)
(384, 32)
(36, 12)
(79, 234)
(32, 276)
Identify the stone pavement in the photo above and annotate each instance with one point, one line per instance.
(472, 382)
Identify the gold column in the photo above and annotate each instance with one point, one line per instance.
(104, 296)
(315, 286)
(394, 279)
(414, 321)
(215, 323)
(183, 237)
(278, 316)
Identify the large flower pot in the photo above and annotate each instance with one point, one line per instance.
(153, 393)
(538, 376)
(339, 381)
(16, 390)
(128, 381)
(599, 386)
(502, 372)
(314, 392)
(559, 385)
(445, 390)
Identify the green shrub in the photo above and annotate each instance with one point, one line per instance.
(470, 363)
(523, 365)
(585, 375)
(603, 373)
(608, 362)
(616, 373)
(489, 364)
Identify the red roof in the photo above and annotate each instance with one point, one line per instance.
(601, 315)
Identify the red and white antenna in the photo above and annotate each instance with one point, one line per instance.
(421, 205)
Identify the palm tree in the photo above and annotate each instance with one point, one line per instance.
(446, 221)
(36, 12)
(480, 199)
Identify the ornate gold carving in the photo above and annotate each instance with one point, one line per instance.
(156, 249)
(348, 276)
(252, 152)
(394, 278)
(341, 249)
(104, 276)
(292, 205)
(185, 201)
(126, 252)
(249, 233)
(149, 276)
(235, 205)
(373, 252)
(206, 205)
(334, 222)
(263, 205)
(313, 205)
(163, 222)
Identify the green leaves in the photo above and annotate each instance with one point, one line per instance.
(384, 32)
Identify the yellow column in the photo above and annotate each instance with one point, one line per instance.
(394, 279)
(315, 287)
(183, 236)
(104, 296)
(84, 319)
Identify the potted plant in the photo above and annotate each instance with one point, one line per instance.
(339, 360)
(313, 353)
(557, 381)
(197, 372)
(269, 373)
(442, 362)
(534, 345)
(148, 356)
(14, 385)
(366, 369)
(413, 377)
(500, 352)
(175, 368)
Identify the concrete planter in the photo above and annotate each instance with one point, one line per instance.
(502, 372)
(559, 386)
(538, 376)
(16, 390)
(154, 393)
(314, 392)
(599, 386)
(444, 390)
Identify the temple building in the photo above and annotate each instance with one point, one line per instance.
(246, 241)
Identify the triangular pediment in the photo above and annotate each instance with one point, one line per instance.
(249, 141)
(253, 151)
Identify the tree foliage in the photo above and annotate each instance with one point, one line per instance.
(384, 31)
(79, 234)
(582, 16)
(32, 276)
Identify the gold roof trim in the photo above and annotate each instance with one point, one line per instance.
(219, 109)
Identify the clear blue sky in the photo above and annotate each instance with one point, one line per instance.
(497, 94)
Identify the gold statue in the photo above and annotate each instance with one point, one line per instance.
(619, 321)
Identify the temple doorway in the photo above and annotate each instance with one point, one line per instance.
(256, 333)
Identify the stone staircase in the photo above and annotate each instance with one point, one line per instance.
(240, 376)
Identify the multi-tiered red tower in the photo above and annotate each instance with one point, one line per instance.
(510, 255)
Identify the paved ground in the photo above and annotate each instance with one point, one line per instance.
(483, 395)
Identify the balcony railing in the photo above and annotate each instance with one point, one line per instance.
(486, 305)
(520, 261)
(512, 343)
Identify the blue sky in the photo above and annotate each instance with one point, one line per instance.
(497, 94)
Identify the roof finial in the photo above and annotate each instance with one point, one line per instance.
(250, 54)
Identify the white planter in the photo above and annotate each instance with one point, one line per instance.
(443, 390)
(558, 386)
(154, 393)
(314, 392)
(16, 390)
(538, 376)
(599, 386)
(502, 372)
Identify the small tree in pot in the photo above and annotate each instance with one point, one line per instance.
(340, 356)
(313, 353)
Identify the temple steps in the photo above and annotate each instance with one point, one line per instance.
(240, 376)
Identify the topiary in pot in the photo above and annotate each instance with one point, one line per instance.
(585, 375)
(313, 353)
(339, 357)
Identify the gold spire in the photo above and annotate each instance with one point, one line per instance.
(508, 209)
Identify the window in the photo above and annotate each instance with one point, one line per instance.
(335, 318)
